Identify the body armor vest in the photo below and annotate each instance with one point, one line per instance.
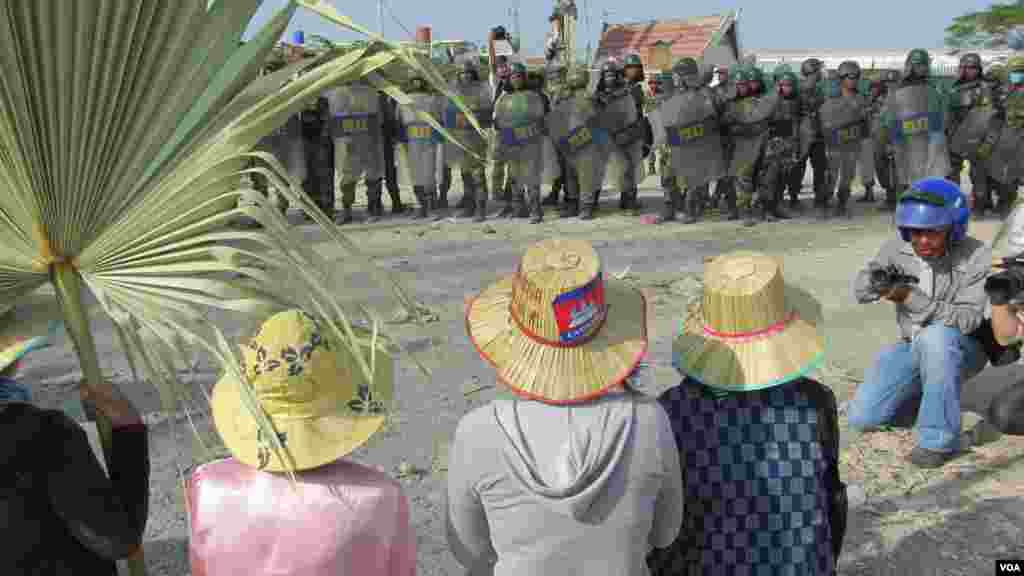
(759, 481)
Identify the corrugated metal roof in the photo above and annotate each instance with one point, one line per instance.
(687, 37)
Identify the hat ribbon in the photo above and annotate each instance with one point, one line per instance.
(767, 331)
(557, 343)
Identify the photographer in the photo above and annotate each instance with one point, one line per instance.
(934, 273)
(1004, 289)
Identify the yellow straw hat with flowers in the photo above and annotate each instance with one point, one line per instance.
(311, 390)
(558, 330)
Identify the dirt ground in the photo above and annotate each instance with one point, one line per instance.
(953, 521)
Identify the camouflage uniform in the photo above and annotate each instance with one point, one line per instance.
(689, 124)
(844, 125)
(357, 129)
(519, 122)
(791, 177)
(561, 88)
(417, 148)
(913, 121)
(475, 95)
(813, 97)
(725, 187)
(663, 155)
(973, 106)
(751, 120)
(622, 108)
(1004, 165)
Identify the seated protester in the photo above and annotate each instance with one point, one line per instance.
(62, 515)
(335, 516)
(758, 440)
(935, 275)
(575, 472)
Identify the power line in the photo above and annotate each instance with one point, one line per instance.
(399, 22)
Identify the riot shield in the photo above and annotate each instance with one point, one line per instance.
(915, 118)
(418, 141)
(574, 130)
(356, 126)
(619, 120)
(843, 122)
(748, 119)
(688, 123)
(519, 118)
(476, 97)
(970, 133)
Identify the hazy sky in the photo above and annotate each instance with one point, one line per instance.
(768, 24)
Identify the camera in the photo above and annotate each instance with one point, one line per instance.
(1007, 286)
(885, 277)
(499, 33)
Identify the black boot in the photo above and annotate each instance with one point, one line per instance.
(795, 205)
(734, 211)
(842, 210)
(869, 195)
(374, 204)
(396, 201)
(778, 211)
(468, 203)
(570, 208)
(668, 213)
(694, 206)
(345, 217)
(425, 197)
(635, 207)
(552, 198)
(588, 209)
(481, 209)
(507, 211)
(522, 206)
(536, 210)
(765, 212)
(442, 200)
(749, 217)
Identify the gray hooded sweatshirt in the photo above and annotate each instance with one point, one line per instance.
(538, 490)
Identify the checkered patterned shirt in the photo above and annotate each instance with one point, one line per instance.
(755, 479)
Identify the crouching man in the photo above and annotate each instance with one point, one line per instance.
(935, 274)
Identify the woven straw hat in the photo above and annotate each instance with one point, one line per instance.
(558, 330)
(751, 330)
(311, 389)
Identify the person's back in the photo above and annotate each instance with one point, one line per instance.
(566, 490)
(61, 515)
(341, 518)
(759, 476)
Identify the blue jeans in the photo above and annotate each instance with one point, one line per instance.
(923, 377)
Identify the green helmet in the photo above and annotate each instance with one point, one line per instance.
(631, 60)
(784, 73)
(848, 69)
(517, 68)
(739, 74)
(918, 64)
(970, 59)
(754, 74)
(811, 66)
(686, 67)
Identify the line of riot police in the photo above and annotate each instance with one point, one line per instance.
(752, 136)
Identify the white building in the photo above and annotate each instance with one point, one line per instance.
(944, 62)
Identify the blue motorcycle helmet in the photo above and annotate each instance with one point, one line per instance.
(933, 204)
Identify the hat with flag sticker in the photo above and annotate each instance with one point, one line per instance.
(558, 330)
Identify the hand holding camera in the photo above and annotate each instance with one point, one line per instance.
(1006, 286)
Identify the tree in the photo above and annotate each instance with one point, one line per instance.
(987, 28)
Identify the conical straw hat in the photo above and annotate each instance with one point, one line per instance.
(558, 330)
(312, 391)
(751, 331)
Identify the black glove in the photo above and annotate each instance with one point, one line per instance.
(1004, 286)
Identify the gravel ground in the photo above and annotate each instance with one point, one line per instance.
(971, 517)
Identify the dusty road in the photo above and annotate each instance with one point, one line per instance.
(971, 513)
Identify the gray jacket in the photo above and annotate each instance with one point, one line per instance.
(956, 296)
